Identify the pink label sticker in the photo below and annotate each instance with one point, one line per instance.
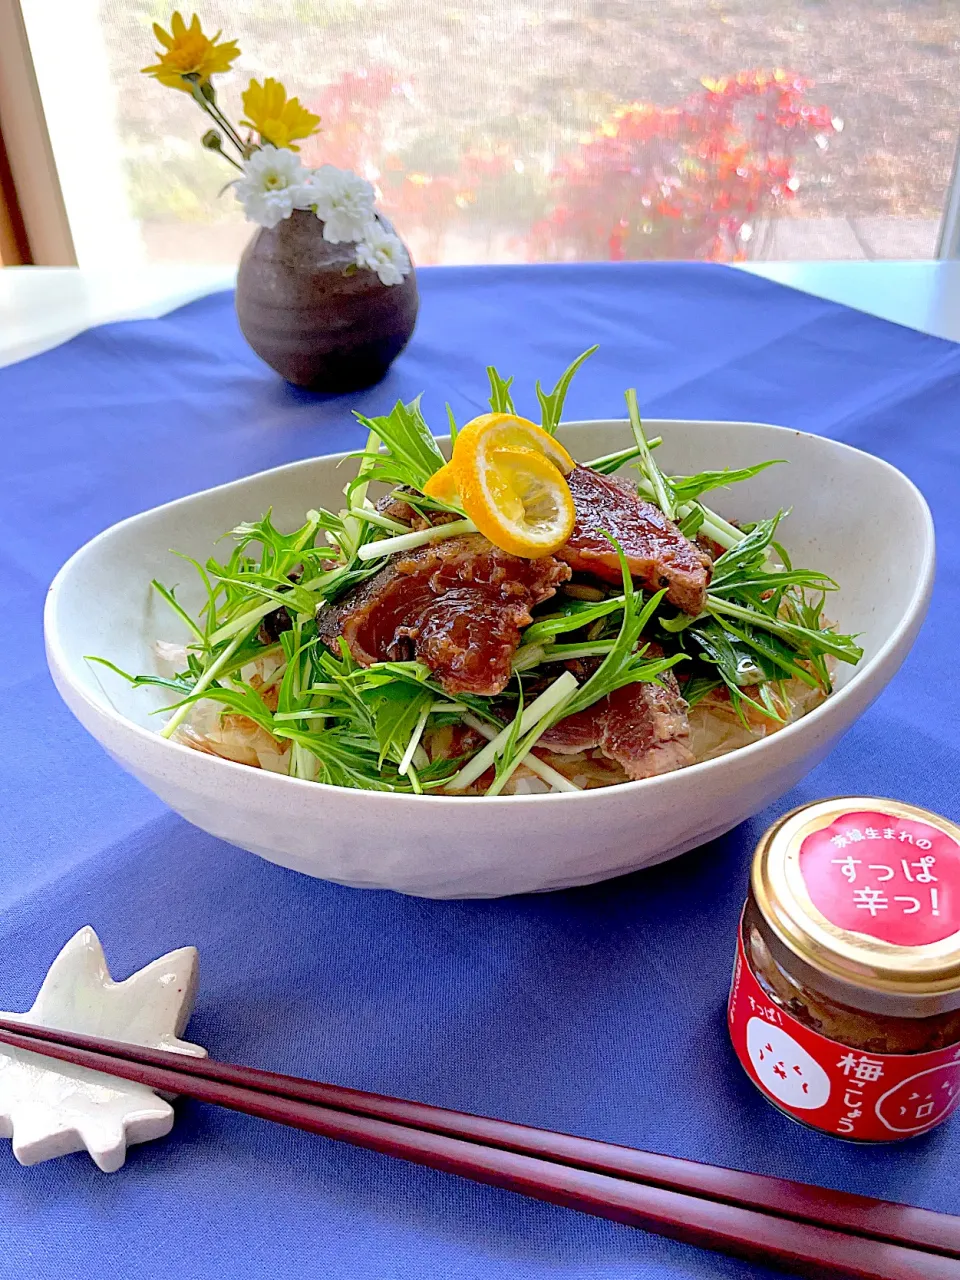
(892, 878)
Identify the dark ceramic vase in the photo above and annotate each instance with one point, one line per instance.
(316, 323)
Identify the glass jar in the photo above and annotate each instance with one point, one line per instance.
(845, 1003)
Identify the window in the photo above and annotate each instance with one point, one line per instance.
(558, 129)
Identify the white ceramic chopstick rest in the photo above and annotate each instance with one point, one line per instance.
(51, 1108)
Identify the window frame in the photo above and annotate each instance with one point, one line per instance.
(34, 225)
(948, 242)
(32, 198)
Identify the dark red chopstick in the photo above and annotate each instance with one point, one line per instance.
(730, 1227)
(861, 1215)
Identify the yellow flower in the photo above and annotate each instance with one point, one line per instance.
(189, 52)
(277, 118)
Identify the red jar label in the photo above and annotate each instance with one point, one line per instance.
(895, 879)
(869, 1097)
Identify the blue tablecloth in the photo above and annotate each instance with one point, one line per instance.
(598, 1011)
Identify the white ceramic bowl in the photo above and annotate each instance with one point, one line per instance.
(853, 516)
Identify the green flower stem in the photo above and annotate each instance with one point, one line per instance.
(215, 114)
(230, 160)
(232, 134)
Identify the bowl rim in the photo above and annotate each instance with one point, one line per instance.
(58, 662)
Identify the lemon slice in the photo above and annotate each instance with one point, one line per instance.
(442, 485)
(517, 498)
(507, 475)
(494, 431)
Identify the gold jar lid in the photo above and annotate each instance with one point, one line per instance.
(866, 892)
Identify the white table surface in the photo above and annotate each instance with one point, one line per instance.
(41, 307)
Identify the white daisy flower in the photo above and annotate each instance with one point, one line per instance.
(383, 253)
(343, 202)
(271, 179)
(311, 188)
